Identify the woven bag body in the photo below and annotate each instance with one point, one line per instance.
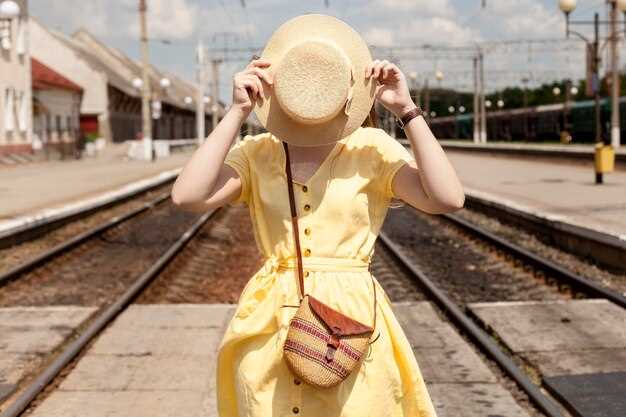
(318, 355)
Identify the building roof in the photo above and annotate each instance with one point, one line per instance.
(45, 78)
(127, 70)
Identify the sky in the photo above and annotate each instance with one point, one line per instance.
(383, 24)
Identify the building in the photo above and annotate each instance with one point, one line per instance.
(15, 82)
(111, 106)
(56, 111)
(105, 79)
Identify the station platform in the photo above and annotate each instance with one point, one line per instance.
(164, 362)
(562, 192)
(578, 348)
(28, 335)
(582, 152)
(30, 188)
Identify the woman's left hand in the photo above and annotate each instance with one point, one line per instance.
(392, 90)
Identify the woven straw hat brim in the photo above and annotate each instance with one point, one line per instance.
(324, 28)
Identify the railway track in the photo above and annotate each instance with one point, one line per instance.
(155, 269)
(481, 266)
(177, 276)
(91, 210)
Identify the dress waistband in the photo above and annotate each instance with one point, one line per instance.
(318, 263)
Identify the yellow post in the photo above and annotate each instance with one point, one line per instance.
(604, 158)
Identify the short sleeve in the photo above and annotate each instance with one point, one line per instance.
(237, 159)
(394, 155)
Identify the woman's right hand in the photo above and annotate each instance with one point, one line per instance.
(249, 86)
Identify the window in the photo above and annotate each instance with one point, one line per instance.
(9, 110)
(22, 115)
(20, 43)
(58, 125)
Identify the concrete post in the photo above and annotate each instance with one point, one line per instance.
(145, 90)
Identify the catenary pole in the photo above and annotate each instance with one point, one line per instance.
(483, 117)
(215, 91)
(201, 61)
(615, 87)
(476, 110)
(145, 87)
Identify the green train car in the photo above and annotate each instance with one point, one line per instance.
(535, 124)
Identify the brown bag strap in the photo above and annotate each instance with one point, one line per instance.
(296, 233)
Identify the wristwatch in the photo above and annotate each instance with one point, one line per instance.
(411, 114)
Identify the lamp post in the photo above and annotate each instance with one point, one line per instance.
(604, 155)
(201, 61)
(525, 81)
(157, 103)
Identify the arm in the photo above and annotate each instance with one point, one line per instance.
(205, 182)
(433, 187)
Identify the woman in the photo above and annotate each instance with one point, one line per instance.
(343, 189)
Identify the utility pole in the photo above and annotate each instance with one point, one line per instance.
(615, 87)
(426, 97)
(202, 80)
(483, 117)
(476, 103)
(145, 90)
(595, 79)
(215, 91)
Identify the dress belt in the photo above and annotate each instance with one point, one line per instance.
(318, 263)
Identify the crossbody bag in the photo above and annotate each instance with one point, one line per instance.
(323, 346)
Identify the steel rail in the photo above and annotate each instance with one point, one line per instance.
(104, 318)
(576, 281)
(544, 403)
(15, 272)
(40, 227)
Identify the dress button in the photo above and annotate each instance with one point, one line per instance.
(307, 207)
(307, 252)
(305, 188)
(296, 381)
(307, 231)
(295, 410)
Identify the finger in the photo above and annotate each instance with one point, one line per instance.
(377, 69)
(261, 63)
(257, 83)
(382, 66)
(388, 69)
(385, 71)
(373, 69)
(261, 74)
(394, 69)
(261, 91)
(249, 83)
(369, 68)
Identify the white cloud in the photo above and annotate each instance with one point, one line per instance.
(424, 7)
(379, 36)
(536, 20)
(172, 19)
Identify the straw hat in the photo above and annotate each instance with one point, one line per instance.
(320, 94)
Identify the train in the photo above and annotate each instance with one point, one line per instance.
(543, 123)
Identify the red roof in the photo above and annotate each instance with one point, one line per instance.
(45, 77)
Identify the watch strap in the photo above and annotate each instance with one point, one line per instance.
(408, 116)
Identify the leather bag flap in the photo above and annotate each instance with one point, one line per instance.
(338, 323)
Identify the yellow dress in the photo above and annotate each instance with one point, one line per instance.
(340, 211)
